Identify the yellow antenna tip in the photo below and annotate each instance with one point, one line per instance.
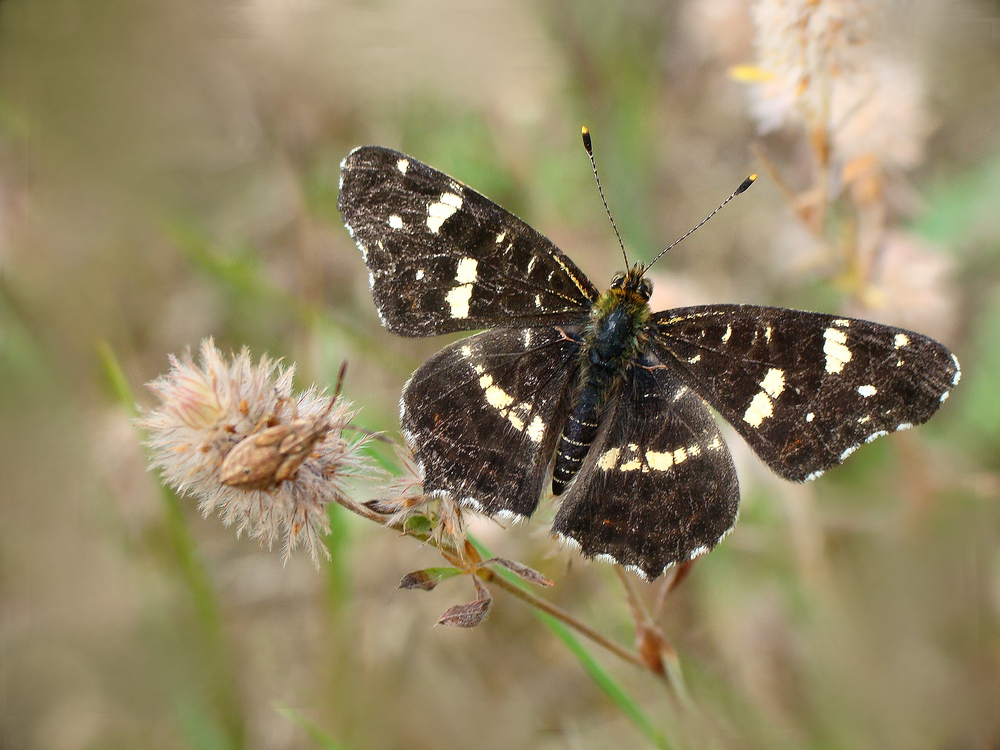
(584, 130)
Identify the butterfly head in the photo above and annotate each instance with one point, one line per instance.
(621, 311)
(633, 282)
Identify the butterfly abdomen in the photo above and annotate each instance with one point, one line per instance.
(611, 344)
(578, 434)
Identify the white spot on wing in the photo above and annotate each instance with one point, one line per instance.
(660, 461)
(536, 430)
(442, 210)
(402, 165)
(814, 475)
(773, 383)
(458, 300)
(810, 417)
(867, 391)
(876, 436)
(395, 222)
(500, 238)
(504, 403)
(901, 340)
(958, 371)
(420, 274)
(727, 334)
(631, 465)
(842, 322)
(608, 459)
(466, 272)
(837, 354)
(496, 397)
(759, 410)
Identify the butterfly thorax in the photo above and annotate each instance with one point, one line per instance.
(612, 340)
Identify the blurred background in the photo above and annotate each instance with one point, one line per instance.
(168, 171)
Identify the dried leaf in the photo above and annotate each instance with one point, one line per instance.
(384, 507)
(471, 614)
(387, 506)
(472, 554)
(521, 571)
(466, 615)
(427, 579)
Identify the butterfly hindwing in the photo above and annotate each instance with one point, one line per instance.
(443, 258)
(482, 416)
(805, 389)
(658, 485)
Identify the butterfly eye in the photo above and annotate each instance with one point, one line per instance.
(646, 288)
(617, 280)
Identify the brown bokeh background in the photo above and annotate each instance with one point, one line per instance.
(168, 171)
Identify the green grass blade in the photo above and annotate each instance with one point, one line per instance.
(606, 682)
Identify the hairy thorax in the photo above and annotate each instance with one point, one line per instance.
(613, 338)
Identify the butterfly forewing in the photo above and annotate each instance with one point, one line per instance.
(658, 486)
(805, 389)
(483, 414)
(443, 258)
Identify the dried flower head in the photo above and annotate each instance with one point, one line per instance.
(804, 46)
(232, 434)
(824, 65)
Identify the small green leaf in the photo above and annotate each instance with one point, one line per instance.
(418, 525)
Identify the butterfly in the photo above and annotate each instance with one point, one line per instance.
(597, 393)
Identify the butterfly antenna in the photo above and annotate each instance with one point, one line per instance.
(588, 144)
(743, 186)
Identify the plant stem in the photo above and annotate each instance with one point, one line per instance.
(485, 574)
